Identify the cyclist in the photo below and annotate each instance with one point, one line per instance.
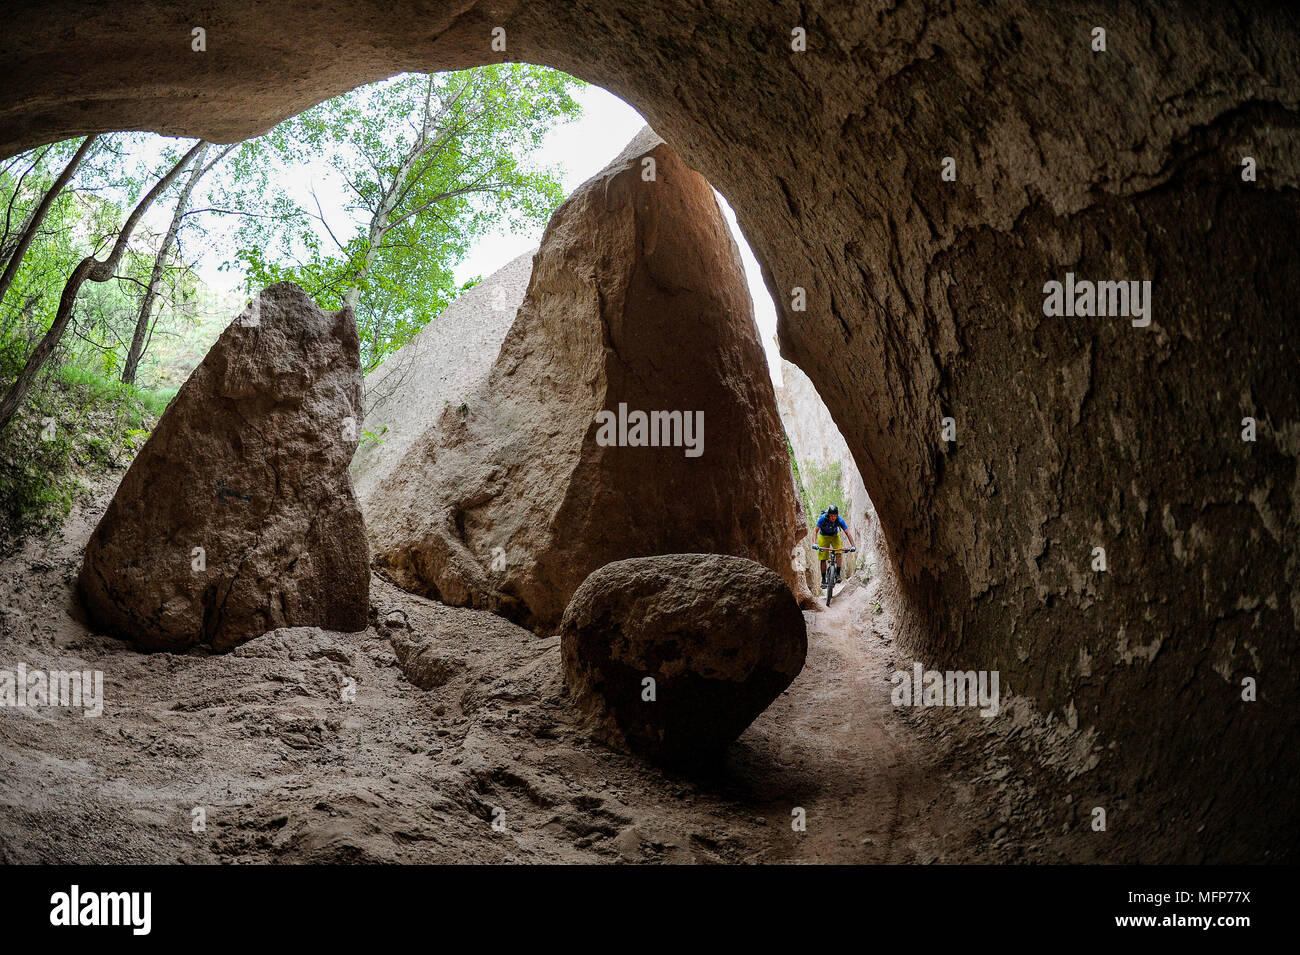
(829, 525)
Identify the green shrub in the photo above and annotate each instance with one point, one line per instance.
(75, 425)
(823, 486)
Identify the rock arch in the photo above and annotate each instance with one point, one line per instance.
(924, 301)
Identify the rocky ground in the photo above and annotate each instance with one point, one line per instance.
(286, 769)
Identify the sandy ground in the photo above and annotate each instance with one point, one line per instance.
(284, 768)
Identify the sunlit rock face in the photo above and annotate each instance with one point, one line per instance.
(628, 414)
(924, 300)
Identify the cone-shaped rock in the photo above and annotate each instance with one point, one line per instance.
(629, 413)
(237, 517)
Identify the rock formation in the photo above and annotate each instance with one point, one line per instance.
(637, 305)
(804, 557)
(721, 637)
(237, 516)
(432, 654)
(438, 367)
(923, 301)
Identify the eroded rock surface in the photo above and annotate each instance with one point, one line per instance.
(637, 305)
(237, 516)
(431, 653)
(720, 637)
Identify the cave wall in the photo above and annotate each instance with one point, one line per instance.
(924, 301)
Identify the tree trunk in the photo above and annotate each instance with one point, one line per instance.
(353, 293)
(8, 241)
(136, 351)
(38, 216)
(95, 270)
(379, 224)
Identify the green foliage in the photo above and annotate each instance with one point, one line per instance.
(430, 163)
(76, 424)
(823, 486)
(83, 220)
(70, 226)
(416, 211)
(98, 393)
(155, 401)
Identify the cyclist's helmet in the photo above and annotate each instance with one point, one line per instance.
(833, 509)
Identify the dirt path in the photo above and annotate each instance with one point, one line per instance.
(285, 769)
(870, 785)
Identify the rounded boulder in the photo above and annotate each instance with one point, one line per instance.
(672, 657)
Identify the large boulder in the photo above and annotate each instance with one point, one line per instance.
(237, 516)
(637, 305)
(721, 637)
(439, 366)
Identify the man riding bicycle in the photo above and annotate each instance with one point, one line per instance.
(829, 525)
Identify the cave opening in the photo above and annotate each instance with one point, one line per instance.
(692, 332)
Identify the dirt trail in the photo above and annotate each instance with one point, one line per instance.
(871, 787)
(286, 770)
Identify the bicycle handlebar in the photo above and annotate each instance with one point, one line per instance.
(836, 550)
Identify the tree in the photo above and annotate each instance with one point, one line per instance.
(37, 215)
(142, 325)
(88, 269)
(427, 163)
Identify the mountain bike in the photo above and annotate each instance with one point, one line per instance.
(832, 568)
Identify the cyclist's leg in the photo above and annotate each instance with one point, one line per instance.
(823, 541)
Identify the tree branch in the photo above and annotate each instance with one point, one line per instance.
(92, 269)
(38, 216)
